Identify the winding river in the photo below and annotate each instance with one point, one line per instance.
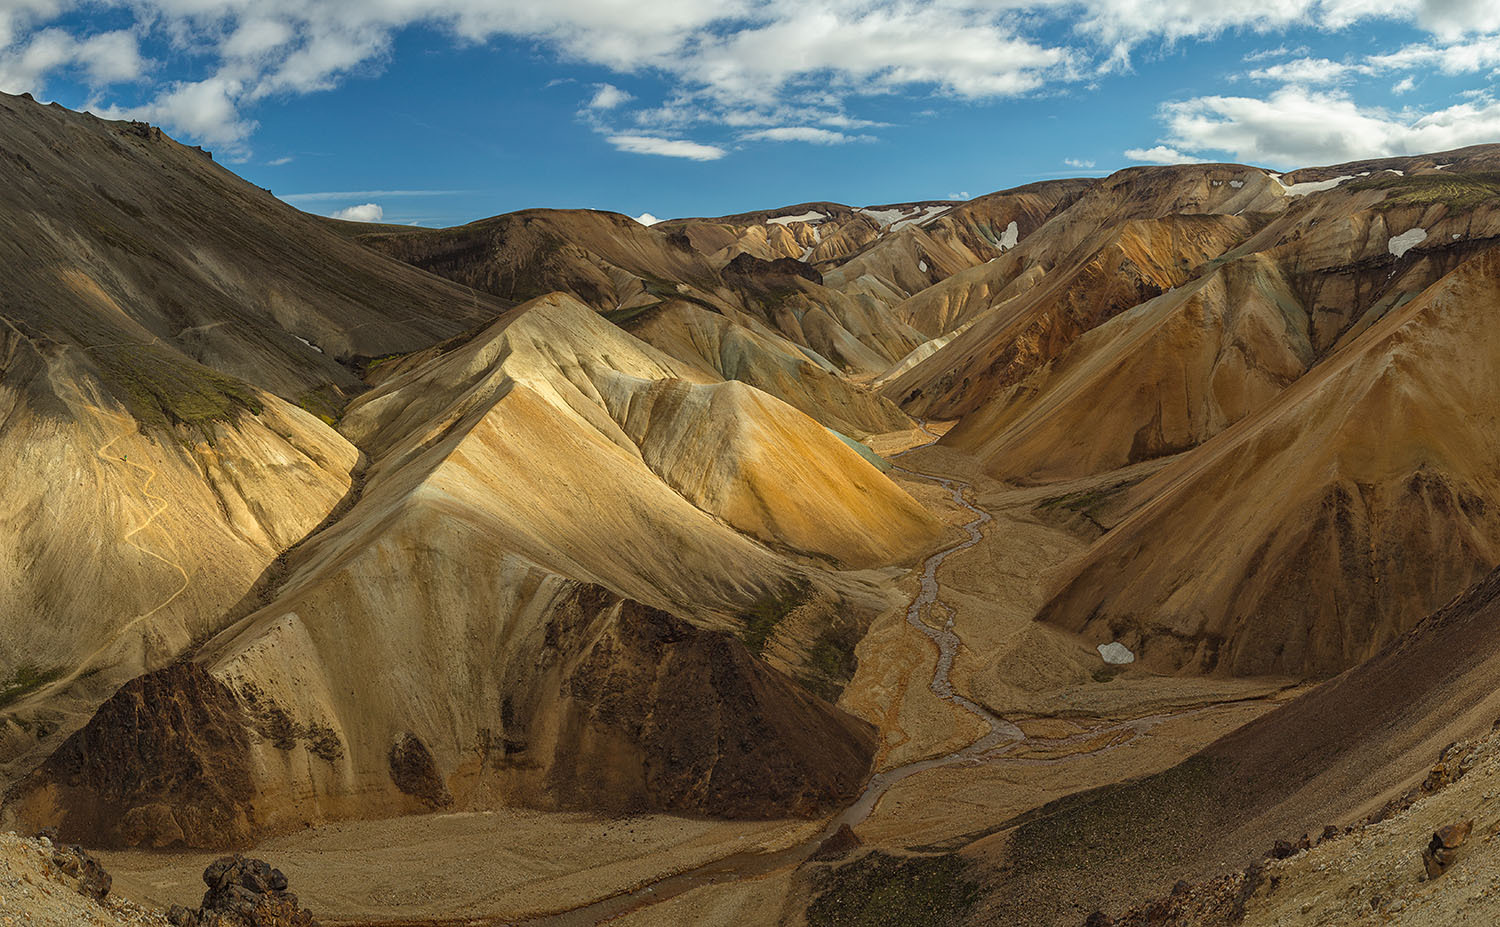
(919, 615)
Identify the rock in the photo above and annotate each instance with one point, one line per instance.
(76, 862)
(243, 892)
(1099, 919)
(1284, 849)
(842, 842)
(1182, 887)
(1115, 653)
(1442, 850)
(415, 771)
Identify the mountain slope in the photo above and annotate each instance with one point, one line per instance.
(581, 520)
(1332, 757)
(162, 321)
(1308, 536)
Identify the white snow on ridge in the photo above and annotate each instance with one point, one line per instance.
(896, 218)
(1009, 237)
(883, 216)
(308, 343)
(1400, 244)
(1237, 184)
(1312, 186)
(812, 216)
(923, 216)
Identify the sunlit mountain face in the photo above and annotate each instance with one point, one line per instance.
(833, 464)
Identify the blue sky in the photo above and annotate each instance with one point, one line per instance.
(439, 112)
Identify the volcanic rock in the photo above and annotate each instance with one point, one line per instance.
(1443, 849)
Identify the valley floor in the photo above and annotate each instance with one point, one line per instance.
(1084, 725)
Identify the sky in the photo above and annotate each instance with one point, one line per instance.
(440, 112)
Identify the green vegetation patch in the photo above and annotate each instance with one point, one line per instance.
(162, 388)
(879, 890)
(769, 611)
(1129, 821)
(326, 402)
(28, 677)
(831, 662)
(1456, 191)
(1087, 502)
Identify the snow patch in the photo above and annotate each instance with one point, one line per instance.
(896, 219)
(1237, 184)
(812, 216)
(1400, 244)
(924, 216)
(1456, 236)
(308, 343)
(883, 217)
(1312, 186)
(1115, 653)
(1009, 237)
(922, 265)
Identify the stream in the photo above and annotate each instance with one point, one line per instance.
(740, 866)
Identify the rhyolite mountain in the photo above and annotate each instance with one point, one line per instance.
(307, 520)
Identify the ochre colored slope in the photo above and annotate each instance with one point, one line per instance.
(1314, 532)
(1156, 380)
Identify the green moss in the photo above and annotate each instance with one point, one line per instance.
(325, 402)
(831, 662)
(28, 677)
(162, 388)
(769, 611)
(1128, 821)
(621, 316)
(1086, 502)
(1456, 191)
(879, 890)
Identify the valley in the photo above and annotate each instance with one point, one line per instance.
(1046, 557)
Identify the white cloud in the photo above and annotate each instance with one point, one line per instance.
(1315, 71)
(963, 195)
(608, 96)
(1297, 127)
(105, 58)
(278, 162)
(1404, 85)
(666, 147)
(808, 134)
(786, 63)
(1079, 163)
(646, 218)
(366, 212)
(1161, 154)
(205, 109)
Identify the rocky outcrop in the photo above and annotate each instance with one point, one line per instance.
(415, 772)
(657, 714)
(163, 763)
(1442, 850)
(77, 863)
(244, 893)
(746, 265)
